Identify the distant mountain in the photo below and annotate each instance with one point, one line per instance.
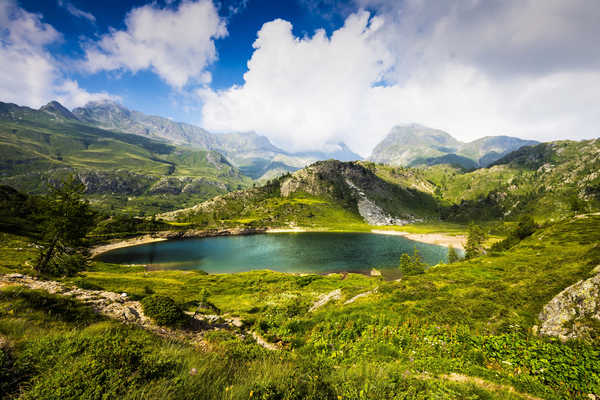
(254, 154)
(42, 146)
(415, 144)
(57, 110)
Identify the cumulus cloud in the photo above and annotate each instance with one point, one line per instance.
(177, 44)
(302, 92)
(76, 12)
(29, 74)
(474, 68)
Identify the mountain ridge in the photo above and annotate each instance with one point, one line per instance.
(253, 153)
(415, 144)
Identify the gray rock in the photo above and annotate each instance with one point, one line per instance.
(567, 314)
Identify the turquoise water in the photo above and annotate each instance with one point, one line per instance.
(284, 252)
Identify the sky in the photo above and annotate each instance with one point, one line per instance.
(311, 73)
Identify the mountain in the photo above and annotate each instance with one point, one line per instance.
(407, 143)
(58, 111)
(323, 194)
(547, 180)
(415, 144)
(42, 146)
(254, 154)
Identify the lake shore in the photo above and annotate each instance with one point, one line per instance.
(170, 235)
(441, 239)
(429, 238)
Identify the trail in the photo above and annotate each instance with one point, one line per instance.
(119, 307)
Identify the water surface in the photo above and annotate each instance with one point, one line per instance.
(284, 252)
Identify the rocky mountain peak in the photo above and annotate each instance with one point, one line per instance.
(58, 110)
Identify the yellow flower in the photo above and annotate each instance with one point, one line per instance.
(251, 393)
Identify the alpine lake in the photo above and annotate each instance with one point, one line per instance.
(306, 252)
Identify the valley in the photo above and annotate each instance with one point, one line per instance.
(513, 316)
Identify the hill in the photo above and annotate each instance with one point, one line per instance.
(119, 170)
(327, 193)
(550, 180)
(254, 154)
(415, 145)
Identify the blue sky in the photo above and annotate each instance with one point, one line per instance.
(310, 73)
(144, 90)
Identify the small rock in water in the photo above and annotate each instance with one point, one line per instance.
(123, 295)
(375, 272)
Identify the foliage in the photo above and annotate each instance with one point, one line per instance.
(525, 228)
(67, 219)
(476, 237)
(452, 255)
(412, 265)
(163, 310)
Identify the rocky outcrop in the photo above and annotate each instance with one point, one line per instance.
(574, 311)
(372, 213)
(120, 307)
(326, 298)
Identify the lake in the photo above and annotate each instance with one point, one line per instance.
(315, 252)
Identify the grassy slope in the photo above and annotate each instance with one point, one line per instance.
(472, 317)
(33, 151)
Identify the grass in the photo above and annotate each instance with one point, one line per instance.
(473, 317)
(37, 150)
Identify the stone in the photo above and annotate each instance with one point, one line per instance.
(565, 315)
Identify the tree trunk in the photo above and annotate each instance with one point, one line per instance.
(45, 259)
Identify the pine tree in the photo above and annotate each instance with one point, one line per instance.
(475, 239)
(452, 255)
(67, 219)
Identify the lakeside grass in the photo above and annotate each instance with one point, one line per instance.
(474, 317)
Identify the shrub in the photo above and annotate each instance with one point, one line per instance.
(163, 310)
(412, 265)
(475, 239)
(452, 255)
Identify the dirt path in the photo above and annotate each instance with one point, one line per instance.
(121, 308)
(487, 385)
(458, 242)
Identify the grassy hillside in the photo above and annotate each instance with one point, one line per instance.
(325, 194)
(548, 181)
(37, 147)
(464, 330)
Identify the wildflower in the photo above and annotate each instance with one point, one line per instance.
(193, 371)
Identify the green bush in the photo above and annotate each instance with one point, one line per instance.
(412, 265)
(163, 310)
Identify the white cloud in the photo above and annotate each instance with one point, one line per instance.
(302, 92)
(76, 12)
(29, 75)
(176, 44)
(473, 68)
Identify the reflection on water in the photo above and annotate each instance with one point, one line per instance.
(285, 252)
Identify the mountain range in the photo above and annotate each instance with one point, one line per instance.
(119, 170)
(254, 154)
(414, 144)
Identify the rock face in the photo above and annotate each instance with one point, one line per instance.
(371, 212)
(355, 186)
(571, 313)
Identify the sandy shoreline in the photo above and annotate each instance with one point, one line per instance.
(458, 242)
(430, 238)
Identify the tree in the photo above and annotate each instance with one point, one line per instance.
(475, 239)
(525, 227)
(67, 219)
(412, 265)
(452, 255)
